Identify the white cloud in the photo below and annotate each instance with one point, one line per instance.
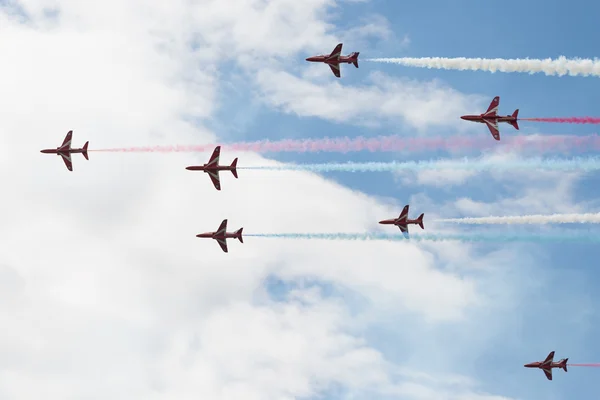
(112, 295)
(384, 99)
(439, 177)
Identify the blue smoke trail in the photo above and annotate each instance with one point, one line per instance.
(425, 237)
(557, 164)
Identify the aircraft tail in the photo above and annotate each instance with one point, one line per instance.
(563, 364)
(233, 168)
(355, 59)
(84, 152)
(420, 220)
(514, 122)
(238, 234)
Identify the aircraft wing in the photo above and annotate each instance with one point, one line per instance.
(404, 230)
(493, 127)
(223, 244)
(66, 144)
(493, 108)
(336, 52)
(214, 177)
(549, 359)
(335, 68)
(548, 373)
(222, 227)
(214, 158)
(67, 159)
(404, 213)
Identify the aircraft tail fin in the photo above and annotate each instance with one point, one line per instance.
(355, 60)
(238, 234)
(233, 168)
(420, 220)
(85, 148)
(564, 364)
(514, 122)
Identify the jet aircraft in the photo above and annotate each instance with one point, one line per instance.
(335, 58)
(221, 235)
(548, 364)
(402, 221)
(491, 118)
(65, 150)
(212, 168)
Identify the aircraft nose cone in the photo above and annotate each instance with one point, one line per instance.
(463, 117)
(188, 168)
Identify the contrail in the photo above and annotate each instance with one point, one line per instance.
(530, 219)
(585, 365)
(392, 143)
(467, 237)
(560, 66)
(566, 120)
(556, 164)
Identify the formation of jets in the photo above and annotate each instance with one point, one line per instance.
(490, 117)
(212, 168)
(548, 364)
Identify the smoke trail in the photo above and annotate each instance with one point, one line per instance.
(467, 237)
(566, 120)
(560, 66)
(530, 219)
(585, 365)
(556, 164)
(388, 144)
(340, 145)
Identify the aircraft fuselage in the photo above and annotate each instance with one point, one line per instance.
(214, 235)
(59, 150)
(327, 60)
(396, 221)
(207, 168)
(481, 118)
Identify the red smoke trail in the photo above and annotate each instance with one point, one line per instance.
(570, 120)
(585, 365)
(543, 144)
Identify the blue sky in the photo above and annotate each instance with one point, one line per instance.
(508, 29)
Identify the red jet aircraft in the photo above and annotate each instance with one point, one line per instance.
(548, 364)
(335, 58)
(491, 118)
(402, 221)
(221, 235)
(212, 168)
(65, 150)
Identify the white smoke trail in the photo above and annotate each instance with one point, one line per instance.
(574, 237)
(560, 66)
(555, 164)
(530, 219)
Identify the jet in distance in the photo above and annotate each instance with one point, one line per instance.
(221, 235)
(212, 168)
(491, 118)
(65, 150)
(402, 221)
